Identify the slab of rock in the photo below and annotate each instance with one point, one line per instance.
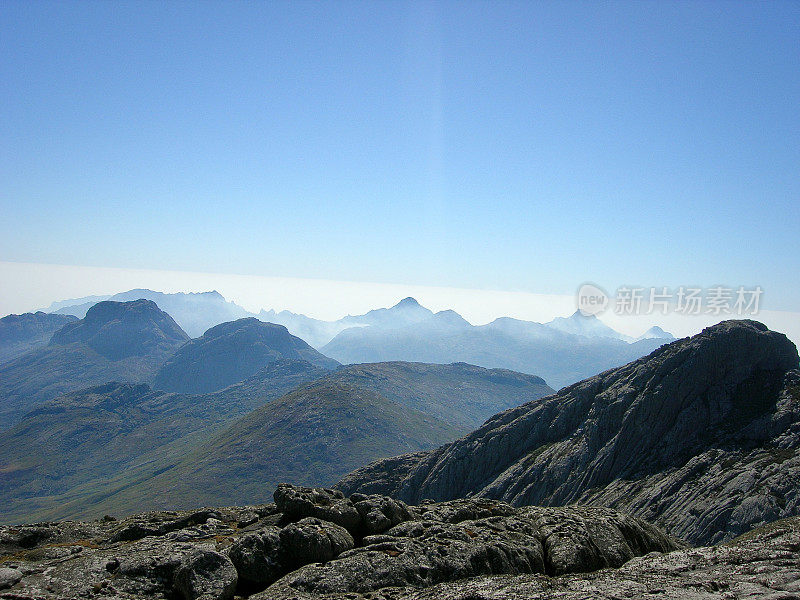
(9, 577)
(205, 555)
(475, 548)
(762, 565)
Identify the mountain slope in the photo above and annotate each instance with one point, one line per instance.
(312, 436)
(77, 454)
(701, 437)
(231, 352)
(459, 394)
(19, 334)
(124, 341)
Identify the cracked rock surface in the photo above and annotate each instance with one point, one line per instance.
(316, 543)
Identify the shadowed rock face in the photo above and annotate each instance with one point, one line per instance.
(232, 352)
(316, 543)
(701, 437)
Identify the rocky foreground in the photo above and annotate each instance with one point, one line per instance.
(318, 544)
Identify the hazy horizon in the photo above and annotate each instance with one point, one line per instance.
(525, 147)
(37, 285)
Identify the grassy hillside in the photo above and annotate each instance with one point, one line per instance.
(89, 446)
(312, 436)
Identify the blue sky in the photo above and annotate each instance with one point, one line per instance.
(512, 146)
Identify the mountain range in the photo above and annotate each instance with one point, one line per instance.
(502, 475)
(563, 351)
(553, 351)
(122, 341)
(194, 312)
(205, 419)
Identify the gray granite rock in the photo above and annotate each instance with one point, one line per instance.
(257, 556)
(214, 559)
(700, 437)
(9, 577)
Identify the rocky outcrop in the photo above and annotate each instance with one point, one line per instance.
(764, 564)
(231, 352)
(700, 437)
(291, 549)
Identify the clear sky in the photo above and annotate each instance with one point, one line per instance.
(524, 146)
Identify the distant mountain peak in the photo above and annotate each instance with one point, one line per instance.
(656, 333)
(407, 303)
(579, 316)
(108, 309)
(451, 317)
(585, 325)
(231, 352)
(212, 295)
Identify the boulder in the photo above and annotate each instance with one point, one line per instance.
(205, 575)
(322, 503)
(9, 577)
(379, 513)
(257, 556)
(312, 540)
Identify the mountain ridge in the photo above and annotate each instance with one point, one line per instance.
(721, 395)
